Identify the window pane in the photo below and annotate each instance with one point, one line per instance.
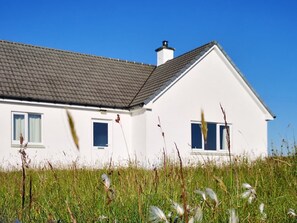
(196, 136)
(18, 126)
(211, 143)
(223, 137)
(34, 128)
(100, 133)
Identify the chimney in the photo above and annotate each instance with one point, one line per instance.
(164, 53)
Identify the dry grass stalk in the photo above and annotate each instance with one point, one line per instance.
(156, 179)
(140, 191)
(227, 129)
(282, 161)
(183, 185)
(73, 220)
(25, 164)
(164, 141)
(23, 186)
(221, 184)
(204, 127)
(228, 143)
(30, 196)
(52, 169)
(72, 129)
(118, 120)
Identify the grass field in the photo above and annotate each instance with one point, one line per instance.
(80, 195)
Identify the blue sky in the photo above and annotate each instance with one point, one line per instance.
(259, 36)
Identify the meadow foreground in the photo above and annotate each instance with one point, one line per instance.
(261, 191)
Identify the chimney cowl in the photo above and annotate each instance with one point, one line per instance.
(164, 46)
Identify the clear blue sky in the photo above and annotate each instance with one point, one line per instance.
(259, 36)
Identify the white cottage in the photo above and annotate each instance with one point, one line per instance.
(121, 108)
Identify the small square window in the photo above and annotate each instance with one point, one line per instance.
(28, 125)
(100, 134)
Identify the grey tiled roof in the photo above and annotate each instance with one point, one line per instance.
(47, 75)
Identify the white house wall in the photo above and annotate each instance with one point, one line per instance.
(212, 82)
(58, 146)
(139, 135)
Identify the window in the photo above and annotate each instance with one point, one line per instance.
(223, 137)
(28, 125)
(101, 134)
(216, 137)
(211, 143)
(196, 136)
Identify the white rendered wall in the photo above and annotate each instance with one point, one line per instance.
(58, 147)
(211, 82)
(138, 135)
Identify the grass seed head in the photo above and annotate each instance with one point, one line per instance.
(178, 208)
(292, 213)
(263, 214)
(233, 217)
(106, 181)
(157, 215)
(246, 194)
(261, 208)
(198, 214)
(250, 193)
(251, 198)
(212, 195)
(202, 193)
(191, 220)
(102, 217)
(247, 186)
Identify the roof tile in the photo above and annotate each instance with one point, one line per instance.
(50, 75)
(66, 77)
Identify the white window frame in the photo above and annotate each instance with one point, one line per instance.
(109, 133)
(218, 141)
(26, 135)
(218, 136)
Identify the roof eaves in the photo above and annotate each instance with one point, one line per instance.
(64, 102)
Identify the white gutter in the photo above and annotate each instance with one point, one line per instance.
(66, 106)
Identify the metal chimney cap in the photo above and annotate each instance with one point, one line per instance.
(164, 46)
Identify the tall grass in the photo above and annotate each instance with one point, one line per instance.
(80, 195)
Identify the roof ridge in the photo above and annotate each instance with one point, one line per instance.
(212, 43)
(75, 53)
